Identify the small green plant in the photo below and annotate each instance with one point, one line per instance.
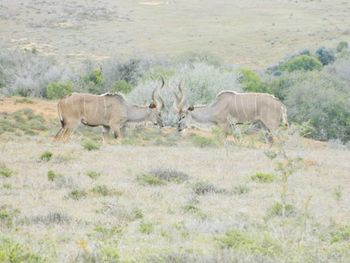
(24, 100)
(93, 174)
(338, 193)
(77, 194)
(146, 228)
(121, 86)
(137, 213)
(109, 231)
(343, 45)
(58, 90)
(51, 175)
(101, 190)
(169, 175)
(91, 145)
(201, 141)
(242, 241)
(5, 171)
(46, 156)
(240, 189)
(202, 188)
(13, 252)
(149, 179)
(7, 215)
(341, 234)
(263, 177)
(277, 209)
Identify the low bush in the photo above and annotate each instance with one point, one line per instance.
(322, 100)
(77, 194)
(121, 86)
(51, 175)
(242, 241)
(102, 190)
(251, 82)
(93, 174)
(91, 145)
(301, 63)
(46, 156)
(14, 252)
(343, 45)
(149, 179)
(201, 141)
(263, 177)
(240, 189)
(277, 209)
(202, 188)
(5, 171)
(58, 90)
(341, 234)
(7, 216)
(146, 228)
(325, 55)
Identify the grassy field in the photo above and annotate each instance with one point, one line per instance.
(159, 197)
(254, 33)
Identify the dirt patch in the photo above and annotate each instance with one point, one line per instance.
(47, 108)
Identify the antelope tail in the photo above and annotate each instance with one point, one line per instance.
(60, 117)
(284, 116)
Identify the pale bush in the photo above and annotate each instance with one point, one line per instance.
(28, 74)
(323, 101)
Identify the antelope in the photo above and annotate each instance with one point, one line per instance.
(111, 111)
(231, 108)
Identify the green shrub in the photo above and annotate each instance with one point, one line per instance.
(77, 194)
(46, 156)
(7, 216)
(108, 231)
(149, 179)
(341, 234)
(256, 244)
(202, 188)
(5, 171)
(201, 141)
(322, 100)
(169, 175)
(277, 210)
(121, 86)
(251, 82)
(95, 76)
(51, 175)
(93, 174)
(101, 190)
(301, 63)
(240, 189)
(342, 46)
(146, 228)
(13, 252)
(325, 55)
(263, 177)
(91, 145)
(58, 90)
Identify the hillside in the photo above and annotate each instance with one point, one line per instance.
(254, 33)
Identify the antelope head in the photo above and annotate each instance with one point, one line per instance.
(157, 106)
(183, 113)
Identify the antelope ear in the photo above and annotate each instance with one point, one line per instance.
(152, 105)
(190, 108)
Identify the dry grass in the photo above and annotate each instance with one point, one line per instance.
(246, 32)
(83, 205)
